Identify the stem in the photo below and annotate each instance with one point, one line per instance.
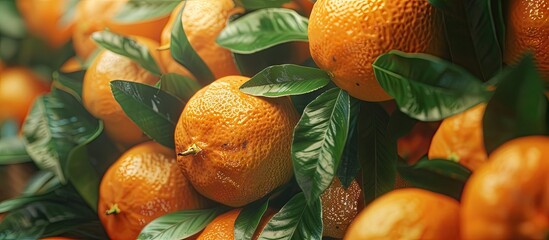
(193, 150)
(163, 47)
(114, 210)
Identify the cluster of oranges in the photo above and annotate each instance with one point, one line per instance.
(232, 148)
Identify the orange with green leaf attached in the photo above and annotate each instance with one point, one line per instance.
(222, 227)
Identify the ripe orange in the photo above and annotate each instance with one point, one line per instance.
(99, 101)
(407, 214)
(346, 36)
(508, 198)
(237, 146)
(143, 184)
(339, 207)
(203, 21)
(222, 227)
(73, 64)
(460, 138)
(19, 87)
(528, 30)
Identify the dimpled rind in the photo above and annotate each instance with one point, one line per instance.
(346, 36)
(245, 142)
(222, 227)
(339, 207)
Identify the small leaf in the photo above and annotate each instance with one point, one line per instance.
(179, 225)
(127, 47)
(70, 83)
(12, 151)
(142, 10)
(437, 175)
(180, 86)
(319, 140)
(247, 221)
(182, 51)
(156, 112)
(518, 107)
(255, 4)
(285, 80)
(297, 220)
(427, 88)
(262, 29)
(350, 164)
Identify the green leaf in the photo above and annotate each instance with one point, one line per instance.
(182, 87)
(155, 111)
(518, 107)
(9, 128)
(247, 221)
(127, 47)
(350, 164)
(142, 10)
(179, 225)
(255, 4)
(377, 152)
(438, 175)
(12, 151)
(56, 124)
(70, 83)
(428, 88)
(19, 201)
(285, 80)
(11, 23)
(301, 101)
(297, 220)
(262, 29)
(499, 21)
(41, 182)
(319, 140)
(182, 51)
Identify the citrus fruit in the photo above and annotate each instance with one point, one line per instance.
(222, 227)
(407, 214)
(528, 30)
(202, 21)
(235, 148)
(339, 207)
(346, 36)
(99, 100)
(73, 64)
(460, 138)
(508, 198)
(19, 87)
(143, 184)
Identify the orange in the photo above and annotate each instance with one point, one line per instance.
(407, 214)
(19, 87)
(143, 184)
(346, 37)
(46, 20)
(508, 198)
(339, 207)
(73, 64)
(236, 147)
(99, 101)
(528, 30)
(222, 227)
(460, 138)
(202, 20)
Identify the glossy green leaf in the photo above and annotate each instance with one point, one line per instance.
(247, 221)
(182, 87)
(437, 175)
(12, 151)
(182, 51)
(285, 80)
(350, 164)
(155, 111)
(70, 83)
(179, 225)
(255, 4)
(428, 88)
(319, 140)
(129, 48)
(41, 182)
(21, 200)
(262, 29)
(297, 220)
(377, 152)
(301, 101)
(518, 107)
(142, 10)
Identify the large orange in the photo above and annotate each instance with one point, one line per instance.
(407, 214)
(237, 146)
(508, 198)
(99, 101)
(202, 20)
(19, 87)
(339, 207)
(528, 30)
(222, 227)
(346, 36)
(143, 184)
(460, 138)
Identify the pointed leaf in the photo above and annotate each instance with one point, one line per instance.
(142, 10)
(247, 221)
(12, 151)
(37, 183)
(70, 83)
(180, 86)
(427, 88)
(319, 140)
(179, 225)
(296, 220)
(350, 164)
(262, 29)
(255, 4)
